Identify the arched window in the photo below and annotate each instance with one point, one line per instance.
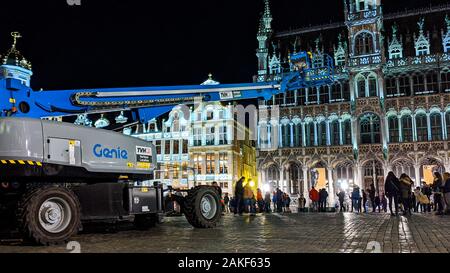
(436, 127)
(286, 135)
(361, 84)
(364, 44)
(335, 133)
(273, 175)
(393, 129)
(422, 127)
(346, 90)
(312, 95)
(407, 128)
(310, 134)
(347, 132)
(298, 135)
(373, 92)
(322, 134)
(370, 129)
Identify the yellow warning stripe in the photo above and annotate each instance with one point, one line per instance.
(20, 162)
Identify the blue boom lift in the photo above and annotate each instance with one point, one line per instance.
(55, 176)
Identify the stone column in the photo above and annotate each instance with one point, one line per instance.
(444, 126)
(281, 183)
(341, 133)
(316, 137)
(430, 137)
(417, 174)
(304, 134)
(306, 185)
(328, 132)
(400, 129)
(331, 192)
(292, 134)
(414, 127)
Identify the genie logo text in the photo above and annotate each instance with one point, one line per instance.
(104, 152)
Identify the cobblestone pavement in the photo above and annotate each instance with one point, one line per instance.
(286, 233)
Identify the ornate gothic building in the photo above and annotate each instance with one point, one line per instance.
(388, 109)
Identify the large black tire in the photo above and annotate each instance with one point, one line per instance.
(35, 219)
(196, 210)
(145, 221)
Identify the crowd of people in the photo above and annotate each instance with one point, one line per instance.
(399, 196)
(245, 200)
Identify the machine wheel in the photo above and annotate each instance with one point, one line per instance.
(49, 215)
(202, 207)
(145, 221)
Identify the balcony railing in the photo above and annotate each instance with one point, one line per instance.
(365, 14)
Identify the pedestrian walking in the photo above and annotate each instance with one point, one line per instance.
(372, 194)
(260, 201)
(364, 200)
(279, 201)
(405, 189)
(355, 197)
(427, 191)
(377, 203)
(384, 202)
(392, 190)
(301, 203)
(267, 200)
(341, 197)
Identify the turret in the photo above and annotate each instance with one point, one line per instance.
(14, 65)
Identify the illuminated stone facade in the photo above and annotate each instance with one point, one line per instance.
(389, 108)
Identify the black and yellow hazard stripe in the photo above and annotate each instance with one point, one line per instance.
(20, 162)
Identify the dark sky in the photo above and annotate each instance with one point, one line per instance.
(117, 43)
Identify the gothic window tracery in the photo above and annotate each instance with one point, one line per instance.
(394, 133)
(364, 44)
(322, 133)
(432, 82)
(370, 129)
(347, 132)
(407, 128)
(422, 127)
(391, 87)
(418, 84)
(335, 133)
(445, 81)
(404, 85)
(310, 134)
(298, 135)
(436, 126)
(361, 85)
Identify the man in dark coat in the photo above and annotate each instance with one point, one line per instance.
(341, 196)
(392, 190)
(239, 196)
(372, 196)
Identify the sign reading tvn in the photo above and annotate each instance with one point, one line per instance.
(20, 162)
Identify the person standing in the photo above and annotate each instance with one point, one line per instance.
(226, 200)
(267, 200)
(364, 200)
(341, 196)
(323, 200)
(314, 196)
(239, 196)
(392, 190)
(446, 192)
(372, 192)
(377, 203)
(405, 188)
(426, 190)
(248, 198)
(301, 203)
(438, 194)
(260, 201)
(356, 196)
(279, 195)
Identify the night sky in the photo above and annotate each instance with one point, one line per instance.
(119, 43)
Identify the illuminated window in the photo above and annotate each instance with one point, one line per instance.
(210, 164)
(197, 136)
(167, 147)
(185, 148)
(223, 163)
(209, 115)
(223, 135)
(198, 164)
(210, 136)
